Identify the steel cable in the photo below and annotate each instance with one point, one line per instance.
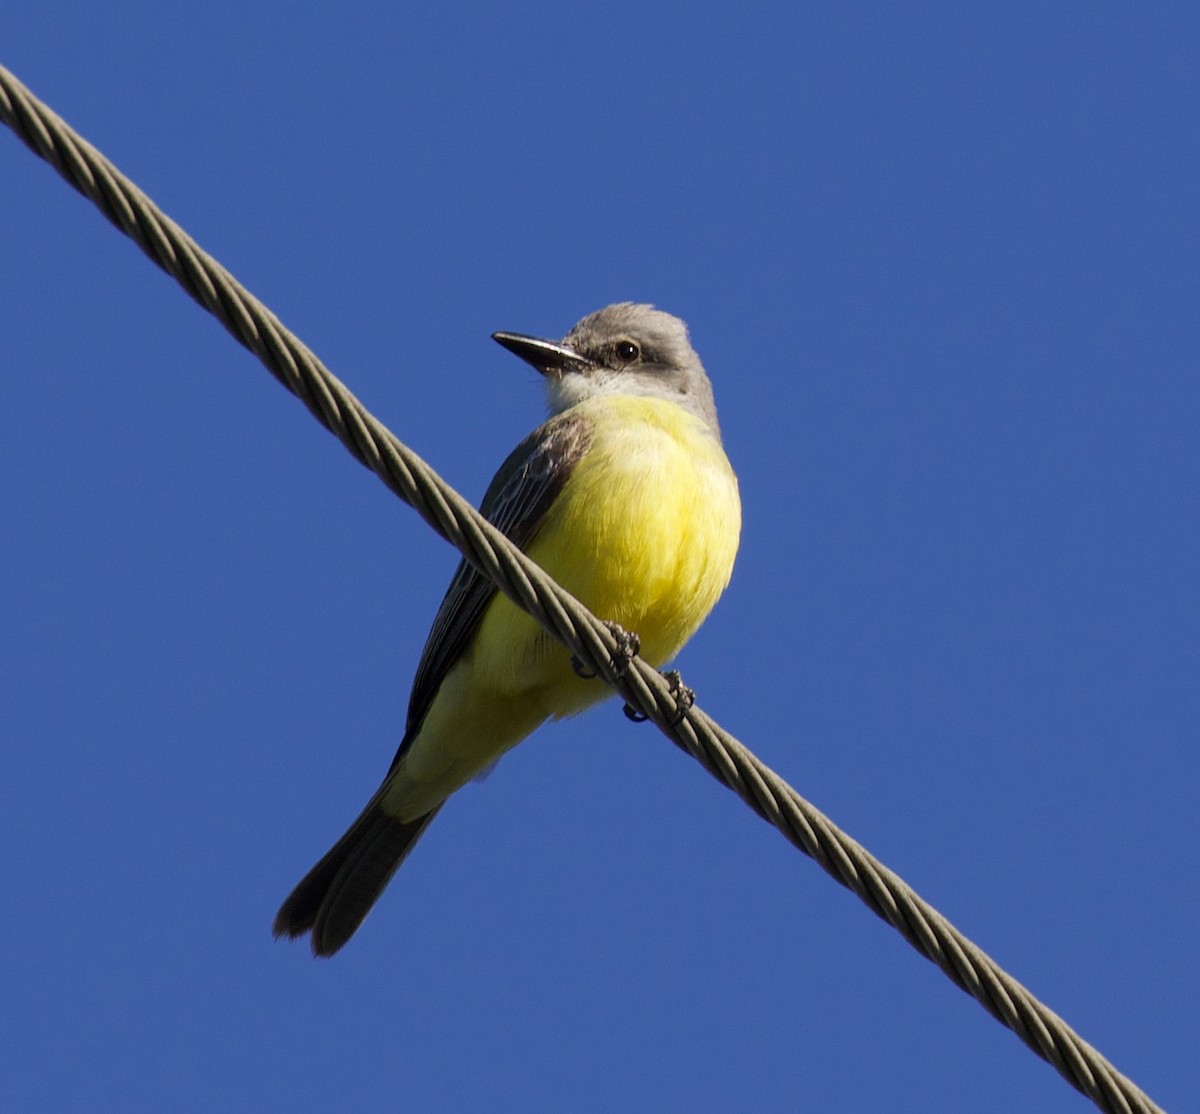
(643, 688)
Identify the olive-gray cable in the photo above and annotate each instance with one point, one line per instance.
(642, 687)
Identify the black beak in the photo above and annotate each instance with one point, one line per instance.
(546, 356)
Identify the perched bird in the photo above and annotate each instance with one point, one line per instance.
(626, 498)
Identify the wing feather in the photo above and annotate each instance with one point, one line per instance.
(516, 502)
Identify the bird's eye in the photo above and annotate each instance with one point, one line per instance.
(627, 351)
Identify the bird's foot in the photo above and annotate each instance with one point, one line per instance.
(684, 699)
(628, 645)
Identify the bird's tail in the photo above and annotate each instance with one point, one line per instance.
(333, 898)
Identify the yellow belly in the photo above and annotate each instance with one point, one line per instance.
(644, 533)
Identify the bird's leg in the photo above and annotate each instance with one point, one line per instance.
(684, 696)
(684, 699)
(628, 645)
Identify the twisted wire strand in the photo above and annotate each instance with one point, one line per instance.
(642, 687)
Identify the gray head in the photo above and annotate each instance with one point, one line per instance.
(623, 349)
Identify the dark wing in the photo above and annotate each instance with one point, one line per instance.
(516, 501)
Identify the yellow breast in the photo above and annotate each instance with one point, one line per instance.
(645, 533)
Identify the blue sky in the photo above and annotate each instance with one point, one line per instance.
(941, 262)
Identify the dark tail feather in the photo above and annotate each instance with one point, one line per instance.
(333, 898)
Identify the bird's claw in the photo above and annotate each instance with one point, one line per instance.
(684, 699)
(684, 696)
(628, 645)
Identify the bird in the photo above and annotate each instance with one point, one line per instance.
(624, 496)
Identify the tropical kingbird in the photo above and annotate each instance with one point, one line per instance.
(626, 498)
